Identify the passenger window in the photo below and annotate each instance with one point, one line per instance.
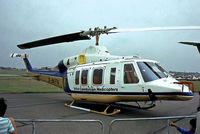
(77, 77)
(112, 75)
(97, 76)
(84, 75)
(130, 75)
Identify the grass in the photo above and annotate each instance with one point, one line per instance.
(17, 72)
(196, 85)
(19, 84)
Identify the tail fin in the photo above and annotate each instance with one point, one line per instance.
(27, 64)
(192, 43)
(25, 58)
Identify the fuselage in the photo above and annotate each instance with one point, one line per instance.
(97, 76)
(123, 80)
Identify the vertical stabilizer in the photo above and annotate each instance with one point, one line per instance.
(27, 64)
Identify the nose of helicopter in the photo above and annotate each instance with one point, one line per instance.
(184, 90)
(171, 89)
(186, 87)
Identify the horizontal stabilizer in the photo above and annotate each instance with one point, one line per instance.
(19, 55)
(25, 58)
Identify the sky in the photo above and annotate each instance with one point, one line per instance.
(23, 21)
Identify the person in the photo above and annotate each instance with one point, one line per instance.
(7, 125)
(198, 108)
(183, 131)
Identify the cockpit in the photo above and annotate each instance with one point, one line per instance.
(151, 71)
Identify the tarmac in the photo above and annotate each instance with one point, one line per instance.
(51, 106)
(9, 75)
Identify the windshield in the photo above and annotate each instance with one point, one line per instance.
(162, 70)
(151, 71)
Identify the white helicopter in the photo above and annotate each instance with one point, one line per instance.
(97, 76)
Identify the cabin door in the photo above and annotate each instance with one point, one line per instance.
(129, 79)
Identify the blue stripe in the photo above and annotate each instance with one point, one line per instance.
(3, 128)
(133, 93)
(6, 126)
(5, 122)
(50, 73)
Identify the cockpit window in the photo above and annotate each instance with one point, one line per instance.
(151, 71)
(162, 70)
(155, 69)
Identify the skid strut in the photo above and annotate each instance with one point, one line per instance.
(105, 112)
(146, 107)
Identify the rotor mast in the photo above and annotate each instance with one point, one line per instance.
(97, 36)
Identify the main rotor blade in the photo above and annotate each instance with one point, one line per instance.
(53, 40)
(156, 29)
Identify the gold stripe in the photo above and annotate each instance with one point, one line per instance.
(115, 98)
(96, 98)
(53, 80)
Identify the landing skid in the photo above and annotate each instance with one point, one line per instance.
(115, 111)
(105, 112)
(139, 106)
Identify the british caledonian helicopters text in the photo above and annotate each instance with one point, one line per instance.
(97, 76)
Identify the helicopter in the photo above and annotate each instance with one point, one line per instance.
(99, 77)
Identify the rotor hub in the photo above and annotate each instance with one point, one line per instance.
(97, 32)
